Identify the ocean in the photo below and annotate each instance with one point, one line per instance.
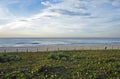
(16, 42)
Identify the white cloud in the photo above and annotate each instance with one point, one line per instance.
(68, 18)
(116, 3)
(5, 13)
(47, 3)
(5, 16)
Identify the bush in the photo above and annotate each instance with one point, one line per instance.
(8, 58)
(53, 56)
(63, 56)
(59, 57)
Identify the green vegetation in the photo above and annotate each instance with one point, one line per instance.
(86, 64)
(8, 58)
(59, 56)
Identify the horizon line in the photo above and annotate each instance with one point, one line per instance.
(54, 37)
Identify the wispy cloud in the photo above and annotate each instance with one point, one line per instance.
(82, 18)
(47, 3)
(116, 3)
(68, 12)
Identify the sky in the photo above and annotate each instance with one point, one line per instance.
(59, 18)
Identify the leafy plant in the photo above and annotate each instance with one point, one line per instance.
(87, 64)
(59, 56)
(8, 58)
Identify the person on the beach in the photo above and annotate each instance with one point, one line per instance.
(105, 48)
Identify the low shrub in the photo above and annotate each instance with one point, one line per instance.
(59, 57)
(53, 56)
(8, 58)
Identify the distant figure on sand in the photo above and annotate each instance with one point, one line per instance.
(105, 48)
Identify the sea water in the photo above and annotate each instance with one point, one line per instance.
(14, 42)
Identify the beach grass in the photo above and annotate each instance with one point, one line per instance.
(83, 64)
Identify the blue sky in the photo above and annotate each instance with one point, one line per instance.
(59, 18)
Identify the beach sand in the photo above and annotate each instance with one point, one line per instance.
(54, 48)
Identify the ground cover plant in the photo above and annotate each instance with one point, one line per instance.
(8, 58)
(84, 64)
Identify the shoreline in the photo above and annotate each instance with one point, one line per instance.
(56, 48)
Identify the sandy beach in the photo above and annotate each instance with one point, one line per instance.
(54, 48)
